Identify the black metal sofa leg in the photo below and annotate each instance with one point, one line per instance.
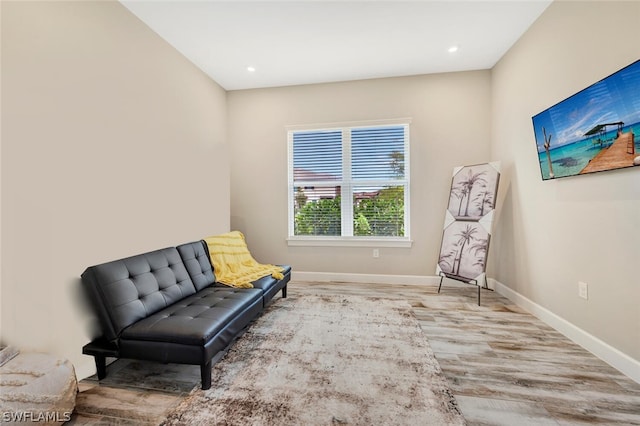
(205, 375)
(284, 292)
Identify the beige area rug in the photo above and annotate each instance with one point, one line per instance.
(323, 360)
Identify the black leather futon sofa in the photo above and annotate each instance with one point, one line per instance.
(166, 306)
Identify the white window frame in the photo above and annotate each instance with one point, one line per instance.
(347, 184)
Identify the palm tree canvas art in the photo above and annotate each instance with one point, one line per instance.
(468, 223)
(473, 191)
(463, 254)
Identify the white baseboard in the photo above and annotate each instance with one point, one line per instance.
(430, 280)
(364, 278)
(612, 356)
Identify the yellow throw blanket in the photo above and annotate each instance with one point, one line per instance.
(233, 264)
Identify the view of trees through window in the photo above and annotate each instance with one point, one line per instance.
(379, 214)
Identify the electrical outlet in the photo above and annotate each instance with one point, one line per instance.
(583, 290)
(376, 253)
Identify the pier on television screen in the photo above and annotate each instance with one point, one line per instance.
(596, 129)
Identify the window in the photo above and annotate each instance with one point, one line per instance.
(349, 183)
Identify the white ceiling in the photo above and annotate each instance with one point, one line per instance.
(303, 42)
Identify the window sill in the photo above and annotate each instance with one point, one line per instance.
(348, 242)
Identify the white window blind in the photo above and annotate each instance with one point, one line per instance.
(349, 182)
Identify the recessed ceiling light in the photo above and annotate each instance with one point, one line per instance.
(453, 49)
(251, 69)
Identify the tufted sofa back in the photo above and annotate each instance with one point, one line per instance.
(196, 259)
(127, 290)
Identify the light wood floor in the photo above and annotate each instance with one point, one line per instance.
(504, 366)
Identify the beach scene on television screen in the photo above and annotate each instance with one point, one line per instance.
(596, 129)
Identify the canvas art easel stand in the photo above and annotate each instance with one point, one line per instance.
(474, 281)
(467, 225)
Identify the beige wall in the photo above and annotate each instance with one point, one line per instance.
(112, 144)
(450, 126)
(552, 234)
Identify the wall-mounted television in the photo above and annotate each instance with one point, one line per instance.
(596, 129)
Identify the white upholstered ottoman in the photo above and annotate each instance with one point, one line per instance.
(36, 387)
